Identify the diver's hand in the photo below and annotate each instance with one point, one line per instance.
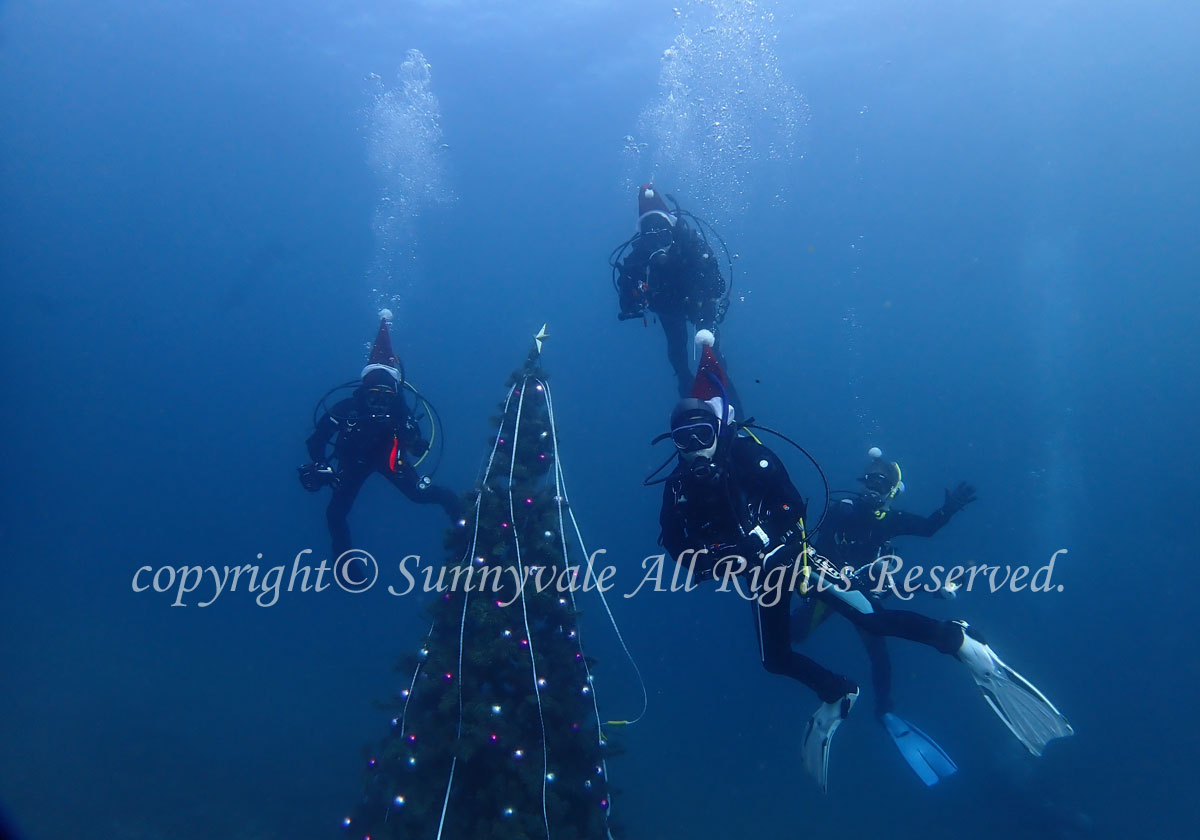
(628, 316)
(753, 547)
(316, 475)
(959, 497)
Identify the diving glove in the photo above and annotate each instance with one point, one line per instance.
(316, 475)
(959, 497)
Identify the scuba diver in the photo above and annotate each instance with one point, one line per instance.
(857, 534)
(375, 432)
(671, 270)
(730, 500)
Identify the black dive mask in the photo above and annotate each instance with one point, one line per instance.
(656, 239)
(693, 437)
(379, 403)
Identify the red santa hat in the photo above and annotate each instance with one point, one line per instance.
(650, 204)
(382, 357)
(710, 385)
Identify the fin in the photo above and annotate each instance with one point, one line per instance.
(540, 337)
(818, 737)
(1025, 710)
(924, 756)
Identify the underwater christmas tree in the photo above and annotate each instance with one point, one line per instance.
(497, 733)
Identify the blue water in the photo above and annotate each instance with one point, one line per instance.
(964, 234)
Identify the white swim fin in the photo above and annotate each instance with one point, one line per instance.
(819, 736)
(1025, 710)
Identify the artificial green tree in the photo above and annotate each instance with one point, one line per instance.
(497, 735)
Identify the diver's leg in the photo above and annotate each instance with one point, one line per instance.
(881, 670)
(801, 622)
(408, 482)
(944, 636)
(350, 481)
(837, 693)
(773, 625)
(674, 325)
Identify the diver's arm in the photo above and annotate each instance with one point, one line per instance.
(319, 439)
(632, 273)
(898, 523)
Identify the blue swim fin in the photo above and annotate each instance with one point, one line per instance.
(926, 758)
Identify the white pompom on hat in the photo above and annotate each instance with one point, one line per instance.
(705, 338)
(874, 452)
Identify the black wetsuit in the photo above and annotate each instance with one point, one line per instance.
(375, 433)
(680, 283)
(854, 535)
(718, 510)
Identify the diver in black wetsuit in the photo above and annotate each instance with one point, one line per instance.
(671, 271)
(857, 534)
(730, 497)
(375, 432)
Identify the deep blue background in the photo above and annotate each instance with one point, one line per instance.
(985, 264)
